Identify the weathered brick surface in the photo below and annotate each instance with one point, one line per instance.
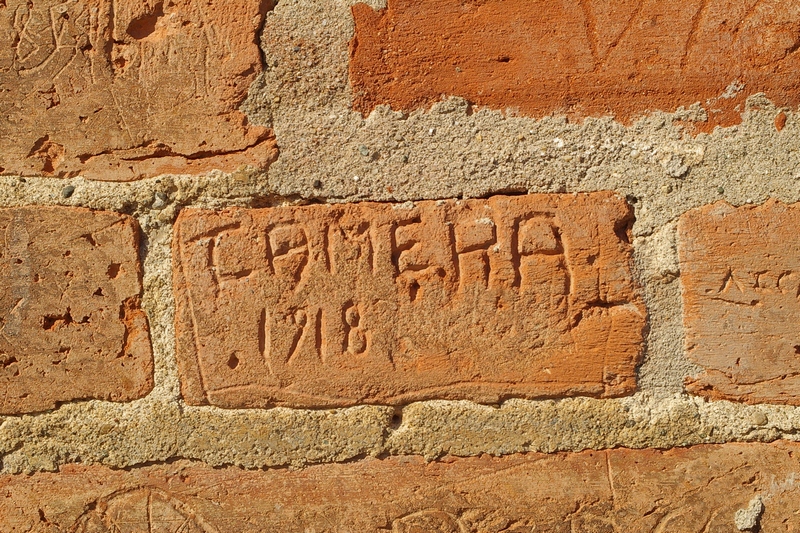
(740, 269)
(70, 323)
(590, 58)
(125, 89)
(528, 296)
(683, 490)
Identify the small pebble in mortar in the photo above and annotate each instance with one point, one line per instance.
(160, 200)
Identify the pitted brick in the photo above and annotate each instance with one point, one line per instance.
(71, 326)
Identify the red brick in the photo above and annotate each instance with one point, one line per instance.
(527, 296)
(683, 490)
(589, 58)
(124, 89)
(740, 269)
(71, 326)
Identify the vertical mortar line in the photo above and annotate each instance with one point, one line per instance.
(680, 349)
(639, 277)
(665, 364)
(159, 304)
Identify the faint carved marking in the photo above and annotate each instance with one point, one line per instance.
(737, 285)
(591, 30)
(141, 510)
(620, 58)
(739, 269)
(50, 36)
(429, 521)
(697, 20)
(625, 30)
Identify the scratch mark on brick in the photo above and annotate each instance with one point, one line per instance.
(590, 25)
(690, 41)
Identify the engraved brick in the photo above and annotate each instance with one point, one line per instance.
(342, 304)
(696, 490)
(124, 89)
(740, 269)
(71, 326)
(590, 58)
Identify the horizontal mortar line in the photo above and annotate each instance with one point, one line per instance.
(510, 404)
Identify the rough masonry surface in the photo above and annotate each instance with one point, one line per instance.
(120, 90)
(682, 490)
(588, 58)
(740, 269)
(331, 153)
(527, 296)
(71, 326)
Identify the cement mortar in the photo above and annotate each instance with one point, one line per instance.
(448, 151)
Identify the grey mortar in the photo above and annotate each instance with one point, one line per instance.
(442, 152)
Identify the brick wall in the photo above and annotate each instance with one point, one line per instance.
(451, 266)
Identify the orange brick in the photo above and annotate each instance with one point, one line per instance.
(696, 489)
(71, 326)
(589, 58)
(740, 269)
(124, 89)
(527, 296)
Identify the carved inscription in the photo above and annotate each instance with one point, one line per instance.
(71, 326)
(740, 269)
(115, 89)
(335, 305)
(585, 58)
